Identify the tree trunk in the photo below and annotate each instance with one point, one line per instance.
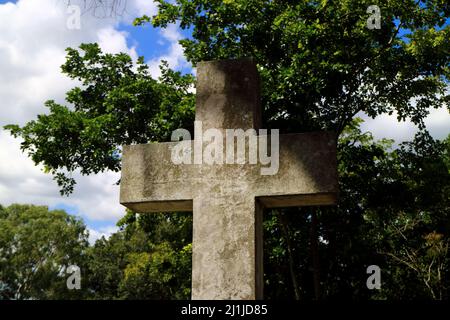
(315, 263)
(285, 230)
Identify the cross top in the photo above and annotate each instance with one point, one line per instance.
(227, 200)
(228, 94)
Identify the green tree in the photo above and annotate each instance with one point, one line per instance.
(36, 247)
(106, 262)
(393, 212)
(319, 63)
(162, 273)
(409, 217)
(166, 267)
(149, 258)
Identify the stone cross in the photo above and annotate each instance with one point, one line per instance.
(227, 200)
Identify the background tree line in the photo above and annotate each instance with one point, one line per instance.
(320, 66)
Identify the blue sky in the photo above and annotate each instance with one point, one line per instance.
(33, 37)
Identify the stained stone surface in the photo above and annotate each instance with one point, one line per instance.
(227, 199)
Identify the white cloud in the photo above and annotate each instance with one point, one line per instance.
(387, 126)
(113, 41)
(175, 54)
(438, 123)
(33, 39)
(171, 33)
(96, 196)
(144, 7)
(106, 232)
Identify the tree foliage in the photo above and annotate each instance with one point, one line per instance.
(36, 247)
(393, 212)
(149, 258)
(319, 62)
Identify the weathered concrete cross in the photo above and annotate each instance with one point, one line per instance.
(227, 199)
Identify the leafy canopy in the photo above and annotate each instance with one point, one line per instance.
(320, 66)
(36, 247)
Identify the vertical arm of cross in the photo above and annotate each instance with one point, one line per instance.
(228, 94)
(226, 227)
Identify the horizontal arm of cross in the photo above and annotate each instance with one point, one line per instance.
(152, 183)
(306, 175)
